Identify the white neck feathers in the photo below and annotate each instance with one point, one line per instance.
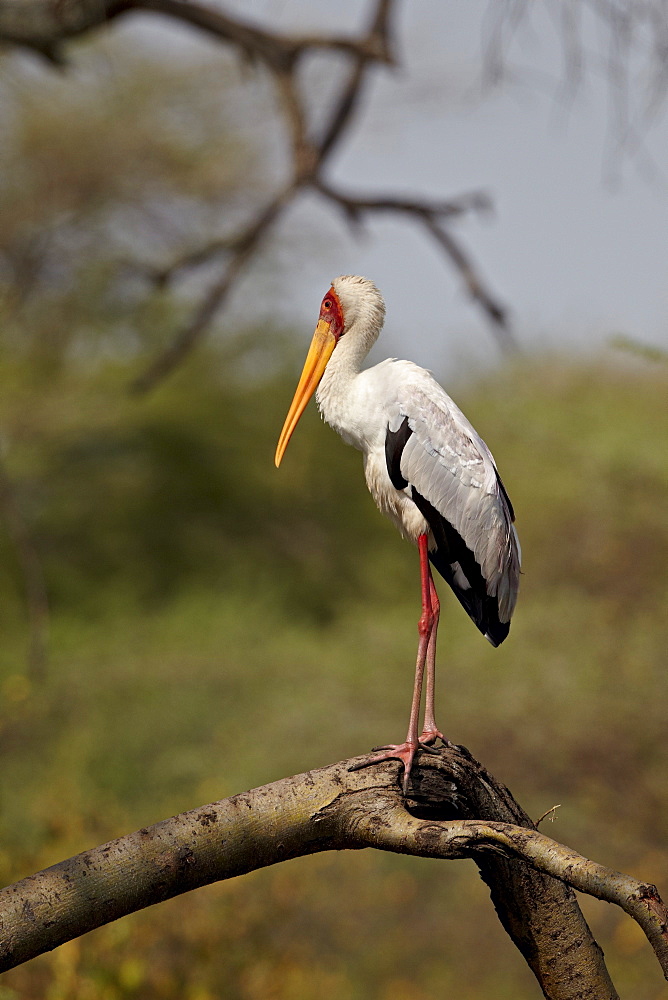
(363, 315)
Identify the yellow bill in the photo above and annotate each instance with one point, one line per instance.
(319, 353)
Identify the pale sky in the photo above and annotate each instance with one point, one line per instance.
(577, 245)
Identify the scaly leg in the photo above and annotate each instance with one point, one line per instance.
(430, 731)
(405, 752)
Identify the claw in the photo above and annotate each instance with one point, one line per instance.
(405, 752)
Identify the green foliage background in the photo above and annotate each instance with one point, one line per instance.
(216, 624)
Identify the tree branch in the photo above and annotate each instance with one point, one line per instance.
(51, 21)
(44, 24)
(242, 246)
(308, 158)
(475, 284)
(433, 216)
(334, 808)
(376, 41)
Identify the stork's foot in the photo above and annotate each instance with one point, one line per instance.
(430, 736)
(405, 752)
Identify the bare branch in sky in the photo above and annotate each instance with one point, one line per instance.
(53, 21)
(625, 43)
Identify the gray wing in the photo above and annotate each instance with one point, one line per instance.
(435, 454)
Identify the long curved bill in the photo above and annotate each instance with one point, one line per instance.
(319, 353)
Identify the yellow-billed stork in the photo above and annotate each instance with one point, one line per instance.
(428, 471)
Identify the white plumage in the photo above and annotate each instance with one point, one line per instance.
(426, 467)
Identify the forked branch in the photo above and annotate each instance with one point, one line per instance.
(456, 809)
(45, 25)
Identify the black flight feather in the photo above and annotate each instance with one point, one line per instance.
(451, 548)
(482, 608)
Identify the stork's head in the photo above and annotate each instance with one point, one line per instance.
(354, 306)
(362, 305)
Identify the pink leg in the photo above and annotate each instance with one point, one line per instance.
(430, 731)
(405, 752)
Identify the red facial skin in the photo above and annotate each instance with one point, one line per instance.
(331, 312)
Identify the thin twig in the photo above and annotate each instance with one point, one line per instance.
(551, 813)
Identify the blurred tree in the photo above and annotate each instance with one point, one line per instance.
(122, 162)
(138, 160)
(112, 164)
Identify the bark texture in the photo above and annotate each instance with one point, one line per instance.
(539, 913)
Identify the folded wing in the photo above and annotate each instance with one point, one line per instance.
(435, 455)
